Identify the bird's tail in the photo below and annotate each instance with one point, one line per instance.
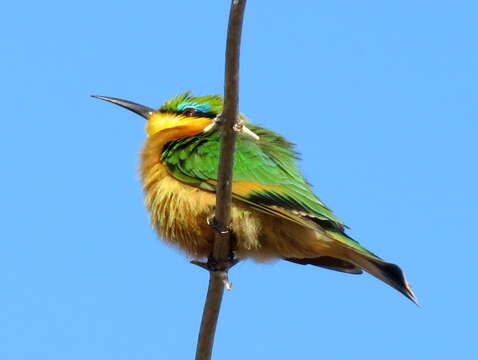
(389, 273)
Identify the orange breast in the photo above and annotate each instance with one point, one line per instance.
(178, 210)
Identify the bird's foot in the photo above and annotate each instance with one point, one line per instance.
(239, 127)
(212, 222)
(213, 265)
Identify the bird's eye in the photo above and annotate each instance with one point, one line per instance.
(189, 112)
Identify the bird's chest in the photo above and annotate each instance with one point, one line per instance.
(172, 201)
(178, 210)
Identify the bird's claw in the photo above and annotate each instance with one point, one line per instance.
(211, 221)
(213, 266)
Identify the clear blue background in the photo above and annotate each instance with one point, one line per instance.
(381, 98)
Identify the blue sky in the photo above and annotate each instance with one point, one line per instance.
(381, 98)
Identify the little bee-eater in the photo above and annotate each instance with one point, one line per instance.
(275, 214)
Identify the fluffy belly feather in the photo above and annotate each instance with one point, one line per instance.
(179, 213)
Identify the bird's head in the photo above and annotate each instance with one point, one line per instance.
(182, 111)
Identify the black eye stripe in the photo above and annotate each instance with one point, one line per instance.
(198, 114)
(195, 113)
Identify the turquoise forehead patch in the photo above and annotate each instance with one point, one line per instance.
(198, 107)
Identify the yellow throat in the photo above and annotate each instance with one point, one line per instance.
(160, 121)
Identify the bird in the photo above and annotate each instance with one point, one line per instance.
(275, 214)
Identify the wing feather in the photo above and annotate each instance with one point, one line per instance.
(265, 174)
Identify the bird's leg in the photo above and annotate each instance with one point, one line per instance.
(212, 264)
(231, 259)
(211, 221)
(222, 266)
(238, 126)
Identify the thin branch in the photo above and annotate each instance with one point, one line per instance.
(222, 243)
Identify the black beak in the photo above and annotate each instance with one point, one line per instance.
(144, 111)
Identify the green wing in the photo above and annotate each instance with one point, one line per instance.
(269, 166)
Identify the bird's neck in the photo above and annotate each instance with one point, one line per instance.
(151, 168)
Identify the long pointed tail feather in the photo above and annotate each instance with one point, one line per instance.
(356, 254)
(387, 272)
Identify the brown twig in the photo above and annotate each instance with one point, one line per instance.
(222, 243)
